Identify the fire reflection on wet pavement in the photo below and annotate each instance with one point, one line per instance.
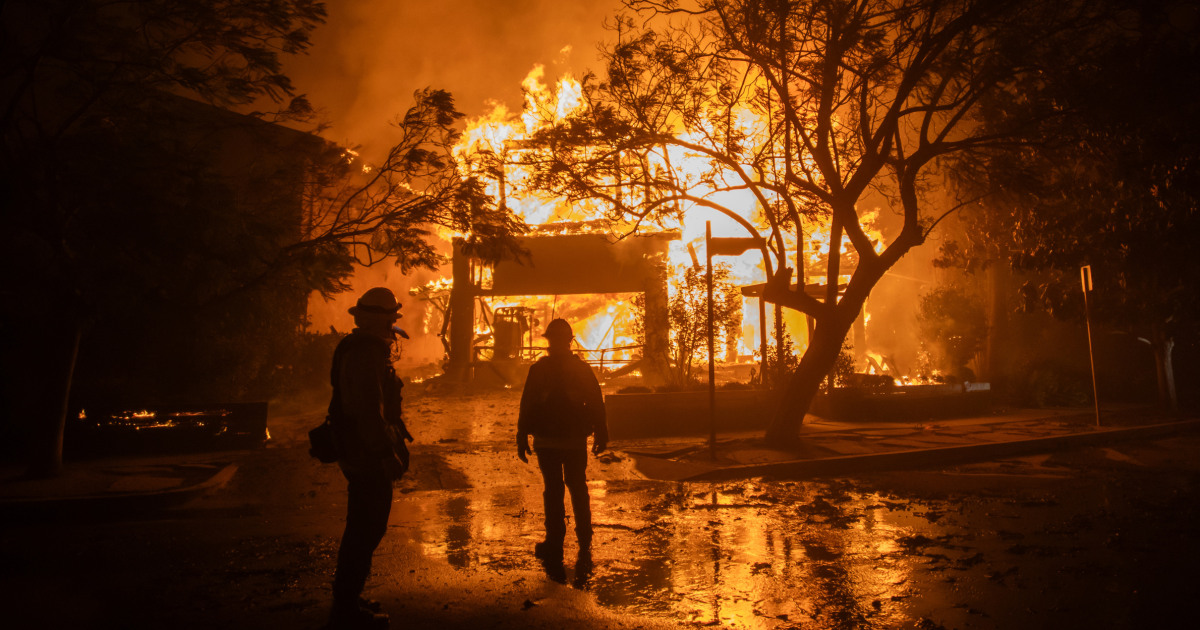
(1089, 538)
(750, 555)
(991, 545)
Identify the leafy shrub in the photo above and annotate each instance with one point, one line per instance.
(1050, 383)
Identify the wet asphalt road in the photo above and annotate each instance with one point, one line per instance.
(1088, 538)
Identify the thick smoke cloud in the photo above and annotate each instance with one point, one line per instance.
(371, 55)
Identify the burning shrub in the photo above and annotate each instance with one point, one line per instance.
(843, 369)
(874, 383)
(688, 317)
(781, 360)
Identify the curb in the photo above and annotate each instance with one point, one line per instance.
(938, 456)
(116, 503)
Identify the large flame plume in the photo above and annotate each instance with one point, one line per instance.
(491, 148)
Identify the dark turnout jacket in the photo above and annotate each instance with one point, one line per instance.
(561, 404)
(365, 409)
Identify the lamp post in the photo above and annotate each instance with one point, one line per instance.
(1085, 277)
(725, 246)
(712, 370)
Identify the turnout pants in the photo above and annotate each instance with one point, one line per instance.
(367, 511)
(565, 468)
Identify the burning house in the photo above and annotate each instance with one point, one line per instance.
(615, 281)
(629, 286)
(561, 265)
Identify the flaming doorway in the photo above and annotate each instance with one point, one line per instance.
(562, 274)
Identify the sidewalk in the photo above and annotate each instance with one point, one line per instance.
(827, 447)
(123, 485)
(114, 485)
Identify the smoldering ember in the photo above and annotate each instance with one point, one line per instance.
(619, 314)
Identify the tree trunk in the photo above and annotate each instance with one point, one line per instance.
(1164, 347)
(996, 350)
(801, 386)
(656, 355)
(47, 457)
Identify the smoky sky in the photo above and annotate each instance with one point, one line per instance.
(371, 55)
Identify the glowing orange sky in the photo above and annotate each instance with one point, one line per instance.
(369, 57)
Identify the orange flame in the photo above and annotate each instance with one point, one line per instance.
(492, 143)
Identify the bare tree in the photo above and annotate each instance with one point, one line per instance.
(688, 319)
(807, 105)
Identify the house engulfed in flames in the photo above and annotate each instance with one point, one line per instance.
(613, 287)
(567, 269)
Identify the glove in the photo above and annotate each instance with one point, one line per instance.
(402, 456)
(399, 432)
(396, 462)
(523, 448)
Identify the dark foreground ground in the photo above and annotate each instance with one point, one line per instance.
(1097, 537)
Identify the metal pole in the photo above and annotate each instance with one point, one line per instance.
(777, 373)
(1085, 274)
(712, 383)
(762, 338)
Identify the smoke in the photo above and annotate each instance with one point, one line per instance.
(371, 55)
(892, 329)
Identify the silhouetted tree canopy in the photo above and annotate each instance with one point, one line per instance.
(952, 326)
(168, 244)
(1108, 180)
(99, 187)
(810, 107)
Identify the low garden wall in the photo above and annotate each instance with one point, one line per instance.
(632, 416)
(915, 403)
(647, 415)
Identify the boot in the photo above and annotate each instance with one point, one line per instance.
(583, 568)
(555, 571)
(352, 616)
(548, 551)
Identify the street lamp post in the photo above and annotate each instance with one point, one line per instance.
(712, 370)
(1085, 277)
(719, 247)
